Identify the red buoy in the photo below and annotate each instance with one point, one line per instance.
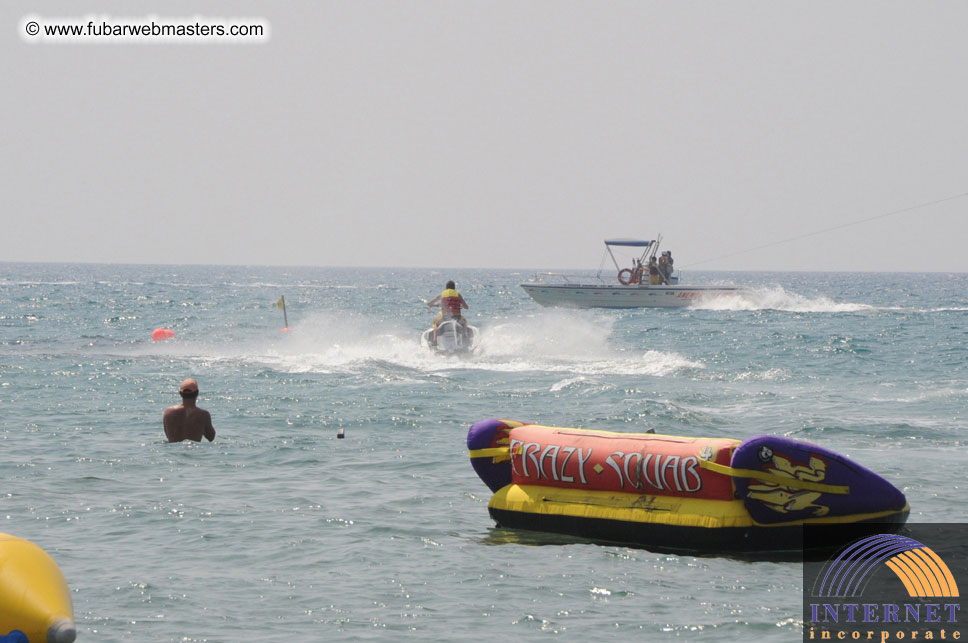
(161, 334)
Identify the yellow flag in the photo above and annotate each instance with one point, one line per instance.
(281, 304)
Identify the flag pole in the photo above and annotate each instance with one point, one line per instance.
(282, 304)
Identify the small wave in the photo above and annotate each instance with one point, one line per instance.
(566, 383)
(5, 282)
(572, 342)
(549, 333)
(653, 364)
(777, 298)
(328, 343)
(769, 375)
(945, 393)
(290, 286)
(568, 341)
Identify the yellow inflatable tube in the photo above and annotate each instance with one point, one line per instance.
(34, 597)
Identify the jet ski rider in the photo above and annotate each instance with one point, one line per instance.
(451, 303)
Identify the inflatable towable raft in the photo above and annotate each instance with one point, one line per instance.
(675, 493)
(35, 603)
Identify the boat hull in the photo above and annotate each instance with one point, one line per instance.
(637, 296)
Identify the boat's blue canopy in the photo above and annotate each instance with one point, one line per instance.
(629, 243)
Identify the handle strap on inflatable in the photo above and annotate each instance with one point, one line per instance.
(489, 453)
(793, 483)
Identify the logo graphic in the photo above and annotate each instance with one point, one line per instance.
(922, 571)
(804, 487)
(882, 585)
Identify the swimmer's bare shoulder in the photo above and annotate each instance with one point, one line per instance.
(205, 420)
(183, 423)
(174, 419)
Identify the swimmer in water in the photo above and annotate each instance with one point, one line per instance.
(187, 421)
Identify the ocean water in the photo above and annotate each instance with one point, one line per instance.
(280, 531)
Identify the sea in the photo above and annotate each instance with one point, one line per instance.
(281, 530)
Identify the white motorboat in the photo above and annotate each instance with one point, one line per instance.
(640, 286)
(451, 337)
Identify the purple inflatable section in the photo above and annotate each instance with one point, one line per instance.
(484, 435)
(771, 502)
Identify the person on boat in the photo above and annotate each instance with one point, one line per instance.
(187, 421)
(655, 278)
(451, 303)
(665, 267)
(637, 273)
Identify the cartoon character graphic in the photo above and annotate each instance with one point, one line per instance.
(785, 499)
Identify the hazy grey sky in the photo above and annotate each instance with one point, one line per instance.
(494, 134)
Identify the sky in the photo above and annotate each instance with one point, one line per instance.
(494, 134)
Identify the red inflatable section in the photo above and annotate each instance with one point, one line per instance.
(620, 462)
(160, 334)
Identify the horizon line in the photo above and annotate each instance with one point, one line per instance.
(569, 271)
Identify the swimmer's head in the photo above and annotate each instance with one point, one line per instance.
(188, 388)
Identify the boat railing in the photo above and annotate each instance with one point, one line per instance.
(566, 278)
(587, 279)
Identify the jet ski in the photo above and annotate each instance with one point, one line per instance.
(452, 337)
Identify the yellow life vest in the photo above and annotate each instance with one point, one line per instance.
(450, 302)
